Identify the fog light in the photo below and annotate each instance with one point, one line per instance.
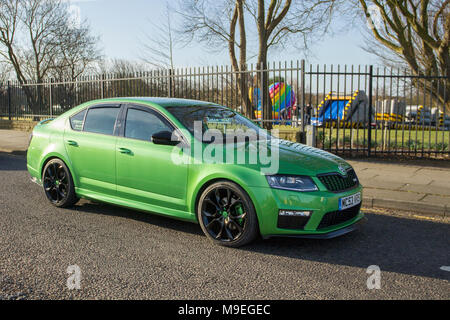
(294, 213)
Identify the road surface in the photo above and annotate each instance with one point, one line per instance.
(125, 254)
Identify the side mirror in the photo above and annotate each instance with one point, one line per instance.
(164, 137)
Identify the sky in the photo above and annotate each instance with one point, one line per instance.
(122, 25)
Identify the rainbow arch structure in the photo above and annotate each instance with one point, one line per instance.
(281, 95)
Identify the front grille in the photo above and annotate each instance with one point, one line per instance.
(337, 217)
(336, 183)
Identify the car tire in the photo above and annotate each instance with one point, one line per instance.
(227, 215)
(58, 184)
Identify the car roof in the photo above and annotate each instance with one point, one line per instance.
(163, 102)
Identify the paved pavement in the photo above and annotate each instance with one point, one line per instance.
(125, 254)
(14, 141)
(422, 186)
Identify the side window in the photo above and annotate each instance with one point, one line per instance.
(101, 120)
(142, 124)
(76, 121)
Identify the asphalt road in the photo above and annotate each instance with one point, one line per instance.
(124, 254)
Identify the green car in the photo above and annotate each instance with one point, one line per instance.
(195, 161)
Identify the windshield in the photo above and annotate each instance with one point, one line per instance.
(225, 120)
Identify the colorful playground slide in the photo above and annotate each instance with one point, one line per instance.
(346, 110)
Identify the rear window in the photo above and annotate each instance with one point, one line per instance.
(101, 120)
(76, 121)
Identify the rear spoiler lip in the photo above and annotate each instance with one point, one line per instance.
(45, 121)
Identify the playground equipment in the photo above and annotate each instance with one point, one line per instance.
(434, 116)
(282, 97)
(416, 117)
(255, 98)
(397, 115)
(418, 114)
(390, 110)
(345, 111)
(444, 121)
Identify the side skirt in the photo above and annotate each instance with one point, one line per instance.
(145, 207)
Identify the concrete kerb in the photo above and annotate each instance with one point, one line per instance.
(423, 208)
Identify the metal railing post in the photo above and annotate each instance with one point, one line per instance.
(102, 85)
(261, 93)
(369, 134)
(9, 100)
(170, 83)
(51, 100)
(302, 88)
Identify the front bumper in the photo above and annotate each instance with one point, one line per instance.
(328, 235)
(269, 201)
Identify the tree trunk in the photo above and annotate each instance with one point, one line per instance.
(266, 102)
(242, 78)
(241, 67)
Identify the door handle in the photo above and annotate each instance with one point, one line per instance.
(72, 143)
(125, 151)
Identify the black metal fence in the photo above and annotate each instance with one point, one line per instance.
(355, 109)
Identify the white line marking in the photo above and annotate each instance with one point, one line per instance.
(445, 268)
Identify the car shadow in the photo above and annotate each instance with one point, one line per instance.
(12, 162)
(396, 244)
(94, 207)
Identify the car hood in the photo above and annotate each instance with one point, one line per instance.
(299, 159)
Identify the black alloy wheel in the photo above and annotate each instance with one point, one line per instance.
(58, 184)
(227, 215)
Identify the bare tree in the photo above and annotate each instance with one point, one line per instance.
(5, 72)
(275, 23)
(36, 37)
(159, 42)
(278, 22)
(78, 54)
(415, 33)
(4, 77)
(121, 68)
(129, 78)
(218, 24)
(9, 24)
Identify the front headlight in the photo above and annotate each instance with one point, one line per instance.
(295, 183)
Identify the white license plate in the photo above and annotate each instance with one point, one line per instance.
(349, 201)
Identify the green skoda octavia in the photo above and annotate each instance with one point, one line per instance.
(195, 161)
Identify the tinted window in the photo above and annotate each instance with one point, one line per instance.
(142, 124)
(76, 121)
(101, 120)
(214, 117)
